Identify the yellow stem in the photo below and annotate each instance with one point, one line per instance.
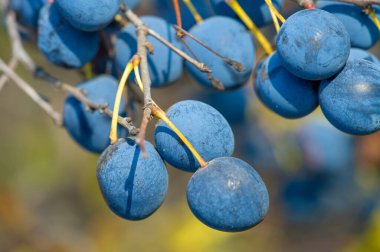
(275, 11)
(274, 18)
(193, 10)
(88, 71)
(116, 107)
(138, 78)
(235, 6)
(159, 113)
(372, 14)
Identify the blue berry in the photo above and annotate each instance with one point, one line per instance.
(88, 15)
(356, 53)
(228, 195)
(257, 10)
(133, 186)
(283, 92)
(325, 148)
(350, 100)
(313, 44)
(91, 129)
(363, 32)
(28, 11)
(61, 43)
(231, 39)
(203, 126)
(165, 66)
(231, 104)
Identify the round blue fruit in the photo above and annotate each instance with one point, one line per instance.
(282, 92)
(204, 127)
(357, 53)
(350, 100)
(229, 38)
(257, 10)
(90, 129)
(231, 104)
(303, 197)
(165, 66)
(313, 44)
(324, 148)
(133, 186)
(228, 195)
(88, 15)
(61, 43)
(28, 11)
(363, 31)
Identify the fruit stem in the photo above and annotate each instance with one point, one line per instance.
(273, 15)
(177, 13)
(372, 14)
(235, 6)
(127, 71)
(275, 11)
(160, 114)
(193, 11)
(88, 71)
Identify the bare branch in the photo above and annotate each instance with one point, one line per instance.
(24, 86)
(136, 21)
(18, 50)
(4, 78)
(125, 122)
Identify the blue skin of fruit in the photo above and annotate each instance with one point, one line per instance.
(204, 127)
(350, 100)
(229, 38)
(28, 11)
(231, 104)
(165, 66)
(357, 53)
(88, 15)
(228, 195)
(91, 129)
(282, 92)
(313, 44)
(363, 31)
(133, 186)
(325, 148)
(302, 197)
(61, 43)
(165, 9)
(257, 10)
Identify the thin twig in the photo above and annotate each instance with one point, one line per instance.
(236, 65)
(12, 65)
(125, 122)
(24, 86)
(18, 50)
(136, 21)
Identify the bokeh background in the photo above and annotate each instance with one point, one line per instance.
(323, 184)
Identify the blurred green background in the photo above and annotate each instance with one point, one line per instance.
(50, 200)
